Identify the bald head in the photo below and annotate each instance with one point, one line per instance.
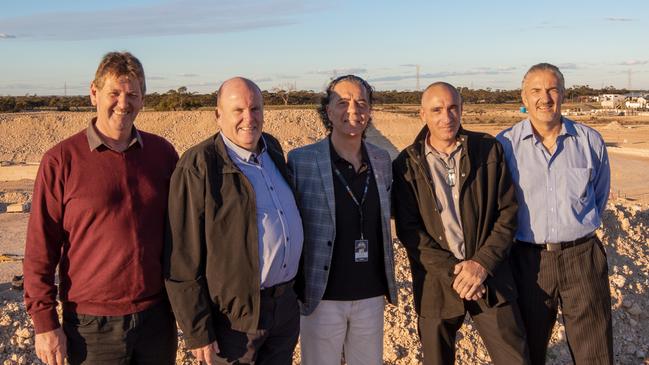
(441, 110)
(236, 83)
(440, 85)
(240, 112)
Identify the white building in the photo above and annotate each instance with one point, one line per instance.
(636, 103)
(610, 101)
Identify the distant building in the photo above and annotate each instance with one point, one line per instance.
(636, 103)
(611, 101)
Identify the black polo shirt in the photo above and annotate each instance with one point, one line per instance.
(349, 279)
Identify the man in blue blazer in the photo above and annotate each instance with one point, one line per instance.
(343, 190)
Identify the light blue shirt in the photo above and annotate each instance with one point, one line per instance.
(561, 196)
(278, 219)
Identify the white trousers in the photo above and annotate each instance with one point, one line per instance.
(355, 327)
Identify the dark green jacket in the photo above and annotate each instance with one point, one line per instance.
(488, 213)
(211, 249)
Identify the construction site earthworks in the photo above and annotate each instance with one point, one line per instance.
(24, 137)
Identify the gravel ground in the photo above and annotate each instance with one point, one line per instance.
(24, 137)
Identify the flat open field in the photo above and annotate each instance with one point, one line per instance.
(25, 136)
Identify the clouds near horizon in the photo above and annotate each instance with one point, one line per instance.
(168, 18)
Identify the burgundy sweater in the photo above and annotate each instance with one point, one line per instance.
(99, 215)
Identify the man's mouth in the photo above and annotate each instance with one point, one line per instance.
(120, 112)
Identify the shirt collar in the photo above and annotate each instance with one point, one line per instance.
(567, 128)
(336, 158)
(95, 140)
(242, 153)
(429, 149)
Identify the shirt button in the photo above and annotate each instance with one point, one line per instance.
(271, 188)
(328, 243)
(326, 267)
(286, 238)
(281, 212)
(463, 174)
(439, 238)
(284, 265)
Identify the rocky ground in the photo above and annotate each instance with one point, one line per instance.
(24, 137)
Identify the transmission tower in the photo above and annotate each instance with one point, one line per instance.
(628, 87)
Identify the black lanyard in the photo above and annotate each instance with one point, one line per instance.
(351, 194)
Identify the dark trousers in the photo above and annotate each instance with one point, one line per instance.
(274, 341)
(577, 279)
(501, 329)
(147, 337)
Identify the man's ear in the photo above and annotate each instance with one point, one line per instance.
(93, 93)
(523, 98)
(217, 114)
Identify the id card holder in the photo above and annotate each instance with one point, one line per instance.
(360, 251)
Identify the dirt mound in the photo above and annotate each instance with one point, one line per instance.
(24, 137)
(613, 125)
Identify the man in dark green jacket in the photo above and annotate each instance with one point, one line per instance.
(455, 211)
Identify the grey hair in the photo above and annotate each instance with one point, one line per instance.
(545, 67)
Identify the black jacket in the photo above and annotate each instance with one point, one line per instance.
(488, 213)
(211, 249)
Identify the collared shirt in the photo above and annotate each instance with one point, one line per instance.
(278, 219)
(561, 195)
(94, 140)
(447, 197)
(349, 279)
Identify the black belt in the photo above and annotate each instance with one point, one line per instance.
(558, 246)
(278, 290)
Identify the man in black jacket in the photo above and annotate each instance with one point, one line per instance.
(455, 211)
(235, 239)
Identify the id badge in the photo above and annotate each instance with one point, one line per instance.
(360, 250)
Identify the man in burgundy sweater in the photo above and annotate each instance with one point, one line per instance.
(98, 213)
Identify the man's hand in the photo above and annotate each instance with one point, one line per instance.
(207, 353)
(469, 279)
(51, 346)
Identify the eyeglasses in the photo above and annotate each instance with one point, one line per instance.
(450, 170)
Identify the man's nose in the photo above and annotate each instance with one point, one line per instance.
(122, 101)
(352, 108)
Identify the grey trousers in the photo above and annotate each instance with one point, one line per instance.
(576, 278)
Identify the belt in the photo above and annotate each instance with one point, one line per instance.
(278, 290)
(558, 246)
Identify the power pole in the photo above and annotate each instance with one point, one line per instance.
(629, 81)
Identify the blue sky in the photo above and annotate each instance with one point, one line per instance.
(46, 44)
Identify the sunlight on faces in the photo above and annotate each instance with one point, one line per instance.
(542, 95)
(118, 102)
(240, 113)
(349, 109)
(441, 110)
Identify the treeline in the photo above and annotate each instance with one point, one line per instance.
(182, 99)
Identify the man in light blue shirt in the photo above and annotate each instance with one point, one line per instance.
(562, 177)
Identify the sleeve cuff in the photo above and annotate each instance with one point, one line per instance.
(45, 321)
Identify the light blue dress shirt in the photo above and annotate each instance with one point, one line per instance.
(561, 196)
(278, 219)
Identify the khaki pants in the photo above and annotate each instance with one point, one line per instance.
(355, 327)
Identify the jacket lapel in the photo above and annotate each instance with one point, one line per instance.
(324, 165)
